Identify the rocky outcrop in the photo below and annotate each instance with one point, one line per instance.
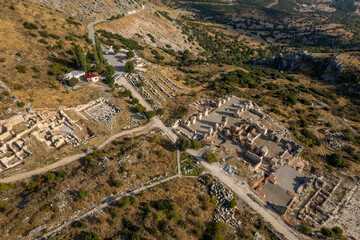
(327, 67)
(92, 10)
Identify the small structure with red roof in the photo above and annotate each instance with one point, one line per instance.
(92, 77)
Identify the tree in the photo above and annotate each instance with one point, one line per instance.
(95, 54)
(129, 67)
(80, 57)
(195, 145)
(338, 231)
(140, 108)
(160, 111)
(233, 203)
(99, 51)
(130, 54)
(182, 143)
(211, 158)
(150, 114)
(72, 82)
(216, 231)
(327, 232)
(335, 160)
(91, 236)
(109, 75)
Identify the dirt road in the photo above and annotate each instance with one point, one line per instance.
(241, 189)
(108, 203)
(136, 131)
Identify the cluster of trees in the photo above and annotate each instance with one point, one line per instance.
(331, 233)
(128, 43)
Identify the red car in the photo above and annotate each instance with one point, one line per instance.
(120, 60)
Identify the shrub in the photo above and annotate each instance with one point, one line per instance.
(90, 236)
(129, 67)
(3, 205)
(126, 201)
(216, 231)
(306, 229)
(164, 205)
(160, 111)
(83, 194)
(21, 104)
(335, 160)
(233, 203)
(140, 108)
(32, 186)
(160, 153)
(196, 145)
(51, 177)
(72, 82)
(348, 135)
(150, 114)
(182, 143)
(30, 26)
(130, 54)
(338, 231)
(3, 187)
(313, 140)
(79, 224)
(211, 158)
(21, 68)
(327, 232)
(182, 224)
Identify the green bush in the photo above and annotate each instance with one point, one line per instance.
(305, 229)
(195, 145)
(129, 67)
(335, 160)
(21, 104)
(233, 203)
(211, 158)
(130, 54)
(72, 82)
(327, 232)
(349, 136)
(83, 194)
(3, 205)
(150, 114)
(21, 68)
(164, 205)
(338, 231)
(140, 108)
(79, 224)
(182, 143)
(30, 26)
(90, 236)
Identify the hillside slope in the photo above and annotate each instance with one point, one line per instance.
(150, 28)
(91, 10)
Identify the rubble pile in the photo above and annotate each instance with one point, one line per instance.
(224, 196)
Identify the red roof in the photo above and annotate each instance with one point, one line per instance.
(91, 75)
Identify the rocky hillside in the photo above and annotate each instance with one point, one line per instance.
(152, 28)
(91, 10)
(333, 68)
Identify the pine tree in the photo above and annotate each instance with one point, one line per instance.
(80, 57)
